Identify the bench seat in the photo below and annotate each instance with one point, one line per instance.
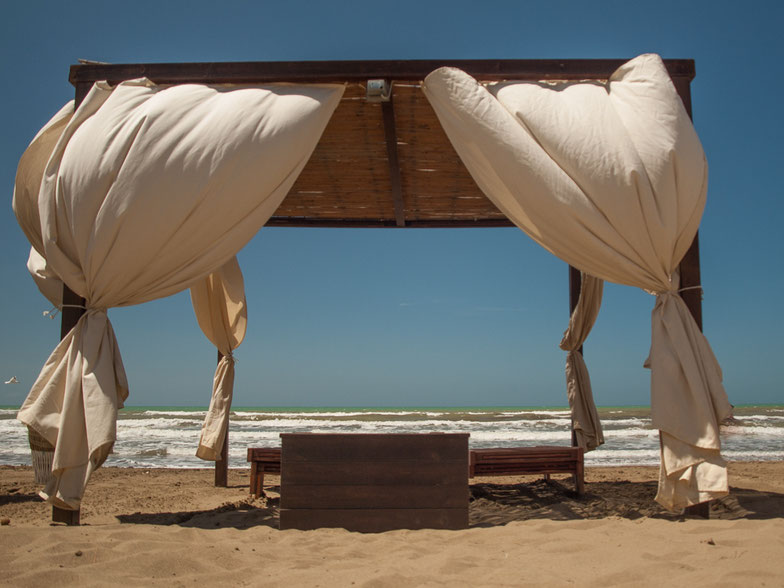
(508, 461)
(529, 460)
(262, 460)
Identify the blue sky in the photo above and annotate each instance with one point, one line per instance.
(390, 317)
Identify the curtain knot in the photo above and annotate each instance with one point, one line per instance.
(672, 291)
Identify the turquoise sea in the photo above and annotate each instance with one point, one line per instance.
(167, 436)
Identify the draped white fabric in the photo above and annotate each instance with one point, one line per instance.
(612, 179)
(585, 419)
(220, 307)
(147, 191)
(25, 202)
(30, 172)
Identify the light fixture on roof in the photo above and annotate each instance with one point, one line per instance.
(378, 91)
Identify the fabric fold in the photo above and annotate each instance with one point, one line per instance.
(611, 178)
(148, 190)
(73, 405)
(221, 310)
(586, 424)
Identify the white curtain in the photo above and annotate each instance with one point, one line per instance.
(611, 178)
(585, 419)
(218, 299)
(148, 190)
(29, 174)
(220, 307)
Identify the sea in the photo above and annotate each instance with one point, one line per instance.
(167, 437)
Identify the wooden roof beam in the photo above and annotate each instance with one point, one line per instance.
(390, 135)
(360, 71)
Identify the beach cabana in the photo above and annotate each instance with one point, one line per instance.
(153, 179)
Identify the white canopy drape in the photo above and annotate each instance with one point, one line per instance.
(147, 191)
(585, 420)
(612, 179)
(220, 307)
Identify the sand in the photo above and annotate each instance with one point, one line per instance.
(174, 528)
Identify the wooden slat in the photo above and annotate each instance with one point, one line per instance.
(374, 520)
(264, 453)
(374, 482)
(376, 472)
(358, 447)
(390, 134)
(345, 71)
(529, 460)
(355, 496)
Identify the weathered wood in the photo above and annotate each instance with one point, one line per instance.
(72, 311)
(529, 460)
(575, 284)
(575, 287)
(390, 136)
(222, 464)
(432, 447)
(377, 473)
(69, 517)
(262, 460)
(374, 482)
(374, 520)
(690, 282)
(359, 71)
(355, 496)
(370, 223)
(698, 511)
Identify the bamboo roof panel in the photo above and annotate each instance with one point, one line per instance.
(352, 177)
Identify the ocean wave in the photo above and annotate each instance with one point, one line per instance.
(746, 430)
(241, 414)
(754, 455)
(147, 424)
(169, 413)
(629, 421)
(307, 424)
(760, 417)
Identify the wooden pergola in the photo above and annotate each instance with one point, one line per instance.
(382, 161)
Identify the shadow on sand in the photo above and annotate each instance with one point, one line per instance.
(499, 504)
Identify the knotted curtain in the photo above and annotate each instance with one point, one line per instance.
(148, 190)
(611, 178)
(585, 419)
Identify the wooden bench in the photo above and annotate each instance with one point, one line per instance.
(529, 460)
(262, 459)
(482, 462)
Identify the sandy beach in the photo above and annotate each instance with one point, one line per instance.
(174, 528)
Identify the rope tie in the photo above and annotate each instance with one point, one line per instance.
(655, 293)
(55, 310)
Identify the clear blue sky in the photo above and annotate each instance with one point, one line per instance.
(421, 317)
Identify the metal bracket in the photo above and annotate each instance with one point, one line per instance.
(378, 91)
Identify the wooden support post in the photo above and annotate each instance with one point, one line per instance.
(575, 283)
(222, 464)
(690, 278)
(72, 311)
(689, 269)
